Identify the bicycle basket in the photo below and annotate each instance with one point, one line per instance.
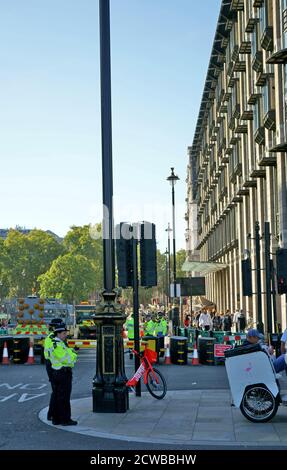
(150, 355)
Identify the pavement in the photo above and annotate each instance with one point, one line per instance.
(183, 417)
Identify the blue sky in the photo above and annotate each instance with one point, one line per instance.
(50, 108)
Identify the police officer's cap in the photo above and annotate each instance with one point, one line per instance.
(61, 327)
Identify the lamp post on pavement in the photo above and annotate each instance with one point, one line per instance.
(110, 393)
(172, 178)
(168, 230)
(166, 278)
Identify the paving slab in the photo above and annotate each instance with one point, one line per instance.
(184, 417)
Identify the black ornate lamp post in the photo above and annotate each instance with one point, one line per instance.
(110, 393)
(168, 230)
(172, 178)
(166, 278)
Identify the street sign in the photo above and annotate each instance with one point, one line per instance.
(191, 286)
(220, 348)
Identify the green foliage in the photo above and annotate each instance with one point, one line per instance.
(180, 259)
(71, 270)
(4, 281)
(27, 257)
(79, 241)
(70, 278)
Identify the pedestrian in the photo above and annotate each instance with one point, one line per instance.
(235, 320)
(253, 336)
(241, 321)
(227, 322)
(48, 346)
(187, 321)
(205, 321)
(62, 360)
(217, 322)
(197, 317)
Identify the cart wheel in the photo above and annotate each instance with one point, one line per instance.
(258, 404)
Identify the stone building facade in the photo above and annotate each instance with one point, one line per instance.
(237, 162)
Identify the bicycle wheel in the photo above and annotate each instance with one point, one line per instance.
(156, 384)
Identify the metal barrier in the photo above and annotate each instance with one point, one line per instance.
(82, 343)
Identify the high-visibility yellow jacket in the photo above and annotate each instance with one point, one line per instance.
(61, 355)
(130, 327)
(48, 345)
(150, 328)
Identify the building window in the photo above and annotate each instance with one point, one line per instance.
(265, 25)
(263, 17)
(268, 95)
(268, 101)
(254, 41)
(257, 114)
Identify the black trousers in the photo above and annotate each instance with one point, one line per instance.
(62, 380)
(52, 398)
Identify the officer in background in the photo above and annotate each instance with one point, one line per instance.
(161, 331)
(163, 323)
(48, 346)
(130, 325)
(62, 360)
(150, 327)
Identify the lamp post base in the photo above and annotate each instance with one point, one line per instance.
(110, 394)
(114, 400)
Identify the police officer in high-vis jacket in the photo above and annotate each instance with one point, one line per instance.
(48, 346)
(63, 360)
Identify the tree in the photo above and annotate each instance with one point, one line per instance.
(43, 250)
(4, 280)
(27, 257)
(79, 241)
(17, 251)
(71, 277)
(180, 259)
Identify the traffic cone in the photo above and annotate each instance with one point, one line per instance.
(167, 356)
(5, 359)
(31, 359)
(195, 360)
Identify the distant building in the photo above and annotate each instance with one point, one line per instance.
(26, 231)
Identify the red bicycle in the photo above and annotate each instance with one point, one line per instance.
(153, 379)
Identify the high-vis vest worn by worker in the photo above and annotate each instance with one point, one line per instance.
(62, 355)
(164, 326)
(158, 329)
(150, 328)
(130, 327)
(48, 345)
